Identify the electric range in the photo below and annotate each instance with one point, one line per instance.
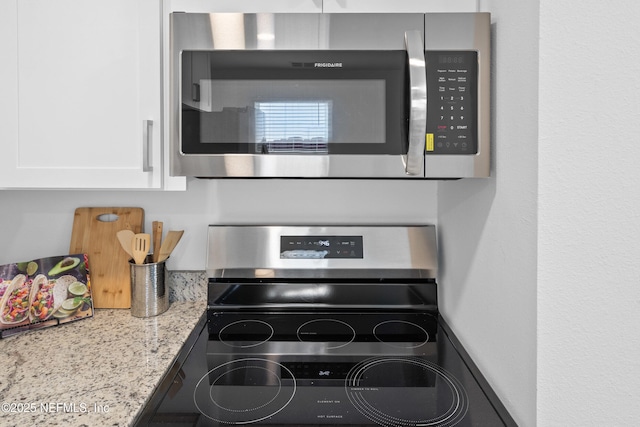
(313, 326)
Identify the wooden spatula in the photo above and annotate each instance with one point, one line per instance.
(140, 247)
(169, 243)
(125, 237)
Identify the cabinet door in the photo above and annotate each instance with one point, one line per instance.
(247, 6)
(399, 6)
(88, 95)
(8, 83)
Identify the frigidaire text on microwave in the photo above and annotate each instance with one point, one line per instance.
(330, 95)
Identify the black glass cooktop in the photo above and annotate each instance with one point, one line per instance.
(323, 368)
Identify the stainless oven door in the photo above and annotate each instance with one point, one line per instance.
(298, 95)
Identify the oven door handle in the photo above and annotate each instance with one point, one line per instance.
(418, 106)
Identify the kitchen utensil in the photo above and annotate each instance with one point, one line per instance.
(140, 247)
(169, 243)
(94, 233)
(125, 237)
(156, 229)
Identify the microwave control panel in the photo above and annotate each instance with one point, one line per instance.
(452, 102)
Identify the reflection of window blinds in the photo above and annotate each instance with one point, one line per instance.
(293, 121)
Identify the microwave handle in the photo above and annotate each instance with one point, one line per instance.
(418, 105)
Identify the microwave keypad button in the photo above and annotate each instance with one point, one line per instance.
(452, 100)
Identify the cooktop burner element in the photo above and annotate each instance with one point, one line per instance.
(335, 332)
(246, 333)
(377, 388)
(221, 396)
(410, 334)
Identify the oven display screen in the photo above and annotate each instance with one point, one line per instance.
(319, 247)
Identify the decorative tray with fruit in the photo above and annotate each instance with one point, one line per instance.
(44, 292)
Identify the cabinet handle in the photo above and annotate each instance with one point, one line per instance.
(418, 111)
(147, 140)
(195, 92)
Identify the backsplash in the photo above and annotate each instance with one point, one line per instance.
(187, 286)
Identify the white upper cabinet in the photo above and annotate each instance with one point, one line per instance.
(247, 6)
(326, 6)
(8, 86)
(84, 94)
(398, 6)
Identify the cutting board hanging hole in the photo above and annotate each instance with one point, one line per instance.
(108, 217)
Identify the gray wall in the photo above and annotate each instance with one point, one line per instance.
(588, 214)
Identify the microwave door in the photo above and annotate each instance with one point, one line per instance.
(418, 103)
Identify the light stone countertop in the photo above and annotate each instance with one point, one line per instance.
(97, 371)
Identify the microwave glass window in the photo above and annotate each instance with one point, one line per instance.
(287, 115)
(281, 102)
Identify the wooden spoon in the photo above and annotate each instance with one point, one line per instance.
(125, 237)
(140, 247)
(156, 228)
(169, 243)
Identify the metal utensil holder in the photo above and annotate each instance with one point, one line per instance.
(149, 294)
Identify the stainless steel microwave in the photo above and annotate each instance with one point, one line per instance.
(330, 95)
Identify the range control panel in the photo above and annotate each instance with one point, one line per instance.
(313, 247)
(452, 99)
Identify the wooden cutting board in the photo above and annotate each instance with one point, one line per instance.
(94, 233)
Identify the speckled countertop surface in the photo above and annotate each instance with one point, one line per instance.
(98, 371)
